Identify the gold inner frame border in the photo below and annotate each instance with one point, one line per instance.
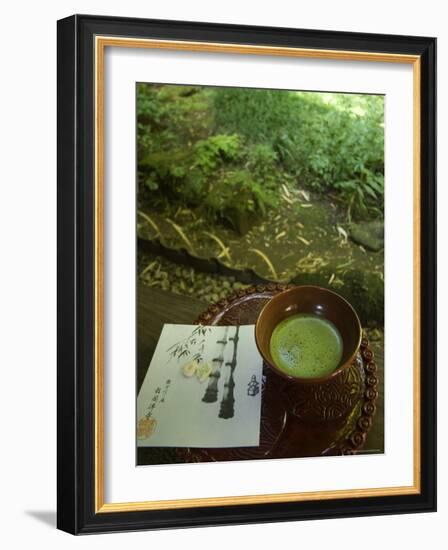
(100, 44)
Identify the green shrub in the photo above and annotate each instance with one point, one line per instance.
(261, 116)
(208, 175)
(209, 153)
(328, 142)
(236, 188)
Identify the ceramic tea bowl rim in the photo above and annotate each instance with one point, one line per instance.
(309, 380)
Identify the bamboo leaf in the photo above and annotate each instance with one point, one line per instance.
(150, 221)
(304, 241)
(224, 249)
(148, 268)
(180, 231)
(266, 259)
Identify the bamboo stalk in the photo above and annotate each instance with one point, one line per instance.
(211, 392)
(227, 409)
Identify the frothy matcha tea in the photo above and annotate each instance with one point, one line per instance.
(306, 345)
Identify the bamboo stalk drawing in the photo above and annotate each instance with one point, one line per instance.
(211, 393)
(227, 409)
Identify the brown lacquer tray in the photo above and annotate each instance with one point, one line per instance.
(332, 418)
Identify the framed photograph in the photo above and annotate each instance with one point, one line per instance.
(246, 274)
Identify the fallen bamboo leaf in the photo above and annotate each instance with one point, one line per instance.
(286, 190)
(300, 225)
(224, 249)
(346, 264)
(305, 195)
(150, 221)
(306, 205)
(331, 279)
(148, 268)
(266, 259)
(304, 241)
(338, 282)
(186, 211)
(223, 254)
(280, 235)
(181, 233)
(287, 199)
(342, 232)
(311, 263)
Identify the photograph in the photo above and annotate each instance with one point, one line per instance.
(260, 273)
(246, 274)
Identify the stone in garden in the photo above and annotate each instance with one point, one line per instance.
(369, 234)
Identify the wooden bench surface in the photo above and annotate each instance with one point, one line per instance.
(157, 307)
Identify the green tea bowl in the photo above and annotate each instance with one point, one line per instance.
(315, 301)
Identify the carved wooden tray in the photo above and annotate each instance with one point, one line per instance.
(298, 421)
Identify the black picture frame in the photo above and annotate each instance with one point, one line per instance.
(76, 285)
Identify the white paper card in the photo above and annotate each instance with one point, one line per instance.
(202, 389)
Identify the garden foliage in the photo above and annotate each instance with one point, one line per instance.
(226, 151)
